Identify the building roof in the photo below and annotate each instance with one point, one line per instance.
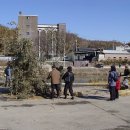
(80, 49)
(27, 15)
(116, 52)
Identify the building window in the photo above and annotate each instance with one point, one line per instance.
(27, 33)
(114, 57)
(27, 17)
(27, 26)
(125, 57)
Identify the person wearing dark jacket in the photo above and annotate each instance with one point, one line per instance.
(125, 75)
(69, 79)
(126, 71)
(8, 74)
(112, 82)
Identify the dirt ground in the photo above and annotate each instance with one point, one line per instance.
(92, 111)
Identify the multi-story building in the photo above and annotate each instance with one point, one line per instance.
(29, 28)
(27, 25)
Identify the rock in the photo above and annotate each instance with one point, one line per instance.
(78, 94)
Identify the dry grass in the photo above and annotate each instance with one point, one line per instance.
(3, 63)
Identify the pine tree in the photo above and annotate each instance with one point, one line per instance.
(27, 76)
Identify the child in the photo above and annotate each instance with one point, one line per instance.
(118, 85)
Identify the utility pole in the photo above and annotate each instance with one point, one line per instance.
(64, 53)
(46, 43)
(39, 45)
(76, 45)
(52, 45)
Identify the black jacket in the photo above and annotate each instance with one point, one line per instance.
(68, 77)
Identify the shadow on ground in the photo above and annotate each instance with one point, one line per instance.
(4, 90)
(120, 128)
(72, 103)
(102, 90)
(95, 97)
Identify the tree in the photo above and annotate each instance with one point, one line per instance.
(27, 74)
(7, 38)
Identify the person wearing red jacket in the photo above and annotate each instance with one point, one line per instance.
(118, 86)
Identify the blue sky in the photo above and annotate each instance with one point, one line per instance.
(90, 19)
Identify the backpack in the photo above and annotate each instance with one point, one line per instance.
(115, 78)
(69, 77)
(6, 71)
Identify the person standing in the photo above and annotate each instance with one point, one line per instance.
(69, 79)
(118, 86)
(126, 71)
(112, 78)
(55, 81)
(125, 75)
(7, 72)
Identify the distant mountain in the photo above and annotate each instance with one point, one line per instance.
(72, 38)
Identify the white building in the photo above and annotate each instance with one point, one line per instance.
(121, 52)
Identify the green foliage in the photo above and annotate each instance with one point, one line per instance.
(27, 78)
(7, 38)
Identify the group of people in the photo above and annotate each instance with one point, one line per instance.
(56, 76)
(114, 82)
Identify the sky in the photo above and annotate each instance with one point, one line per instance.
(90, 19)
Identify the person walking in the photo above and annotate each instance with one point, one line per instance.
(55, 81)
(69, 79)
(112, 78)
(7, 72)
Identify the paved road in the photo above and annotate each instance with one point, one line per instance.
(91, 112)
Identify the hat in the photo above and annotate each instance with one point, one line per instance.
(69, 68)
(113, 68)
